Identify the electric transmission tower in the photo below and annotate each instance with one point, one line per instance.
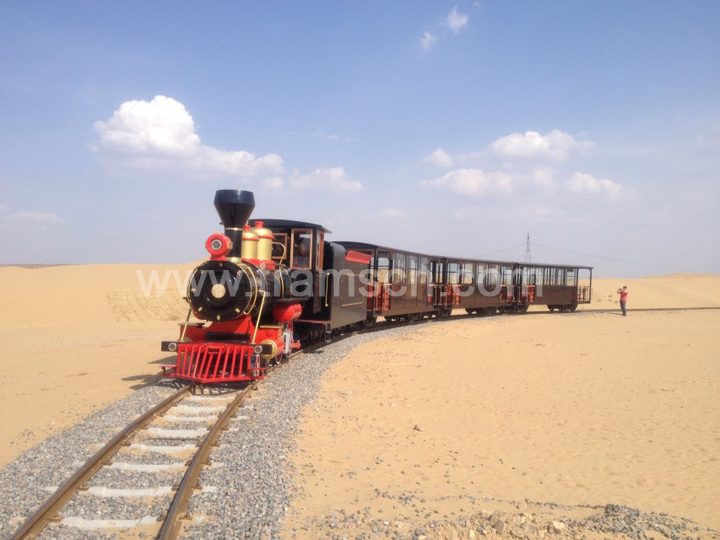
(528, 258)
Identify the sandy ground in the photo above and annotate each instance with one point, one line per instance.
(489, 415)
(567, 409)
(677, 290)
(74, 339)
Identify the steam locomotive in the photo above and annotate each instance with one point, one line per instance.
(271, 288)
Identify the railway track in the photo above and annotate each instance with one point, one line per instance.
(169, 525)
(223, 407)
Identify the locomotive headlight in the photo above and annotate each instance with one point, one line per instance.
(258, 349)
(172, 347)
(218, 290)
(218, 245)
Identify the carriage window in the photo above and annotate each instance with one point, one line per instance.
(559, 276)
(412, 270)
(383, 268)
(491, 276)
(547, 276)
(467, 273)
(572, 277)
(453, 273)
(506, 275)
(424, 269)
(532, 276)
(481, 271)
(279, 247)
(301, 248)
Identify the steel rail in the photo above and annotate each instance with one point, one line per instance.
(46, 513)
(172, 524)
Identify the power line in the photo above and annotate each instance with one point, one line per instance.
(624, 261)
(499, 251)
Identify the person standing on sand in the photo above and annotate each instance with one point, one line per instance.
(623, 299)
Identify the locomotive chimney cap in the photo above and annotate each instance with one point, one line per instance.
(234, 207)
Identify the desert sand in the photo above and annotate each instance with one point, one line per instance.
(516, 414)
(579, 409)
(74, 339)
(673, 291)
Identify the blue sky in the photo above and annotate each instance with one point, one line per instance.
(451, 128)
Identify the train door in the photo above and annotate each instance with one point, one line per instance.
(305, 282)
(452, 284)
(423, 283)
(411, 296)
(381, 285)
(436, 294)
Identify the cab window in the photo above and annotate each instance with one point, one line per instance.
(279, 247)
(301, 250)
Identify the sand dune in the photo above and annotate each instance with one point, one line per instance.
(73, 339)
(677, 290)
(94, 294)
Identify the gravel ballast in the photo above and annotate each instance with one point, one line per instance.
(250, 478)
(249, 486)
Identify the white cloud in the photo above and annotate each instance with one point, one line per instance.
(273, 182)
(455, 21)
(161, 134)
(440, 158)
(427, 41)
(334, 179)
(543, 177)
(474, 182)
(585, 183)
(555, 145)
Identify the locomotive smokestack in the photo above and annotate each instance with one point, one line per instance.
(234, 208)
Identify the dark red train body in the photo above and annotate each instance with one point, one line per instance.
(271, 288)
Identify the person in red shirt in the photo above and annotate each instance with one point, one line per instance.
(623, 299)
